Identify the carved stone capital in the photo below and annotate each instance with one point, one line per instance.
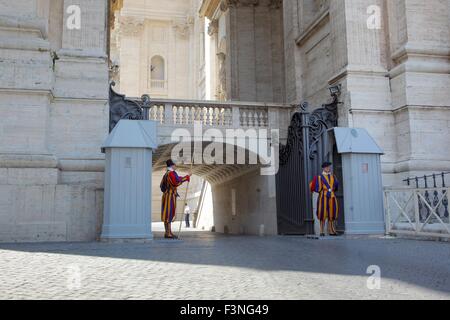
(213, 27)
(226, 4)
(182, 27)
(129, 26)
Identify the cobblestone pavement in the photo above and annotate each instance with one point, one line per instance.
(211, 266)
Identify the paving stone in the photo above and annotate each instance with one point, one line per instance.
(213, 266)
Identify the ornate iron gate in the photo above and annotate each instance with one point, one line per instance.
(308, 145)
(121, 107)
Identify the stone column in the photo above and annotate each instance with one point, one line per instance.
(420, 82)
(28, 168)
(130, 31)
(79, 112)
(213, 28)
(25, 91)
(358, 38)
(293, 56)
(255, 62)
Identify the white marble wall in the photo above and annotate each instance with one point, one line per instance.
(143, 30)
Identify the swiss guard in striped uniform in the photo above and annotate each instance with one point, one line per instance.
(169, 184)
(326, 185)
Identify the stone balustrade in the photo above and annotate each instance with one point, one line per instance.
(230, 114)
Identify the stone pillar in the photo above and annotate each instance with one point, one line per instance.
(420, 82)
(79, 121)
(25, 93)
(360, 64)
(395, 79)
(293, 55)
(213, 28)
(130, 30)
(255, 53)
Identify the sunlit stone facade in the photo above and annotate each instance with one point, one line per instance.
(392, 59)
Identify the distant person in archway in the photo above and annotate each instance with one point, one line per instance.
(169, 184)
(326, 185)
(187, 213)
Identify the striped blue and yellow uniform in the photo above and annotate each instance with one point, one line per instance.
(326, 185)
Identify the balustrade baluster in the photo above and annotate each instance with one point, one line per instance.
(161, 114)
(249, 118)
(169, 114)
(174, 114)
(222, 117)
(186, 115)
(180, 115)
(204, 115)
(210, 116)
(192, 115)
(266, 119)
(244, 118)
(216, 116)
(198, 112)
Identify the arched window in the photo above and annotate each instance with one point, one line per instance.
(158, 68)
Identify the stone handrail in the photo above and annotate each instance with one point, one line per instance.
(219, 114)
(213, 113)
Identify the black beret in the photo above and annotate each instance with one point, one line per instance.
(326, 165)
(170, 163)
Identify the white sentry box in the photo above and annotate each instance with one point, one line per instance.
(128, 181)
(362, 182)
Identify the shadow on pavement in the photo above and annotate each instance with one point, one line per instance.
(419, 263)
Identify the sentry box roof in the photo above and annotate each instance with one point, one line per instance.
(133, 134)
(354, 140)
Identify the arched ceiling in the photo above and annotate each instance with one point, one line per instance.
(214, 174)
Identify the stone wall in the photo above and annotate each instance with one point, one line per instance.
(392, 60)
(173, 33)
(53, 101)
(33, 213)
(246, 205)
(248, 43)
